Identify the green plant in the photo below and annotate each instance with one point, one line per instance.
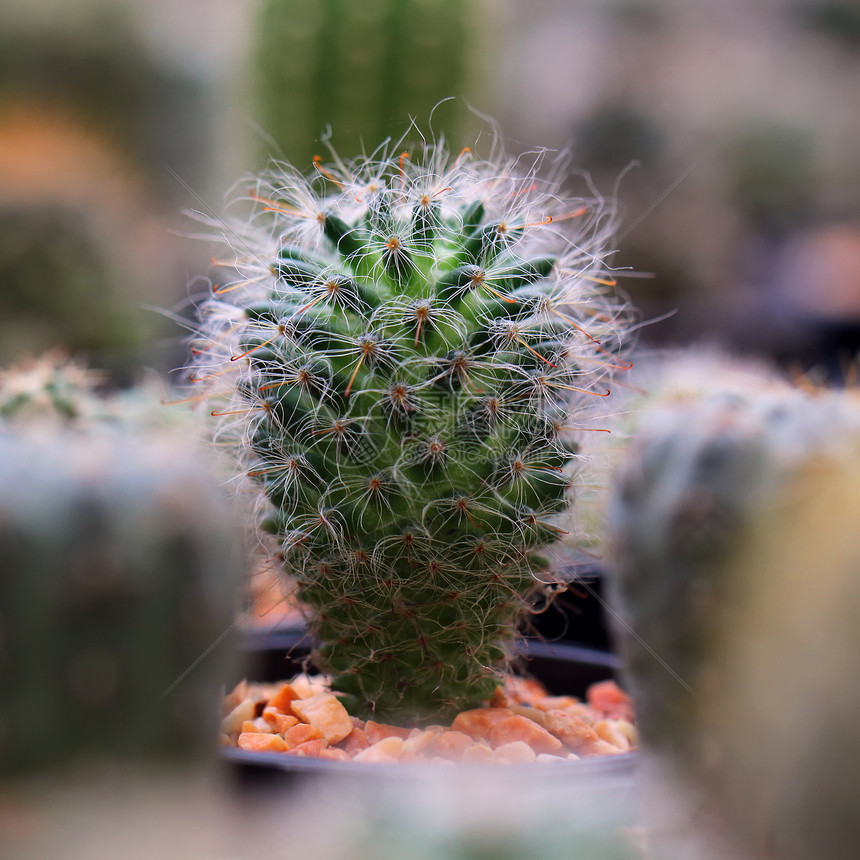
(405, 347)
(50, 389)
(120, 568)
(736, 560)
(699, 473)
(362, 68)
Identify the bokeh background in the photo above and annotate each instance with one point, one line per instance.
(729, 131)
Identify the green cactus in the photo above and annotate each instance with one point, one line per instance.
(49, 392)
(783, 702)
(697, 474)
(119, 576)
(405, 347)
(363, 68)
(50, 389)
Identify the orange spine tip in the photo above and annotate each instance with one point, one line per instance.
(570, 322)
(496, 293)
(531, 187)
(466, 150)
(220, 291)
(575, 214)
(581, 390)
(545, 220)
(606, 282)
(216, 414)
(253, 348)
(354, 374)
(534, 352)
(317, 160)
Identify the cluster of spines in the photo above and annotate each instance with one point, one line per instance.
(405, 347)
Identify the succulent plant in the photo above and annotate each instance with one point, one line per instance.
(698, 474)
(355, 66)
(50, 392)
(50, 389)
(736, 561)
(119, 576)
(405, 347)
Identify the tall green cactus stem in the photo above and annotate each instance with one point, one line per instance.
(406, 346)
(119, 574)
(697, 474)
(363, 68)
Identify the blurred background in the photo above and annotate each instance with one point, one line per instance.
(728, 131)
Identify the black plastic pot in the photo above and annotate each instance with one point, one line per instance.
(563, 668)
(578, 614)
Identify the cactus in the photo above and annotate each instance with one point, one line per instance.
(733, 536)
(404, 347)
(119, 576)
(697, 474)
(783, 702)
(50, 389)
(49, 392)
(363, 68)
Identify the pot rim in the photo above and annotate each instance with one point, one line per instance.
(287, 640)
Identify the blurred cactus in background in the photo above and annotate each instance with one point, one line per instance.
(120, 572)
(736, 562)
(401, 353)
(540, 812)
(696, 470)
(783, 700)
(53, 392)
(96, 124)
(49, 390)
(363, 69)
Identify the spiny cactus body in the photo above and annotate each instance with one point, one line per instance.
(697, 475)
(405, 345)
(119, 573)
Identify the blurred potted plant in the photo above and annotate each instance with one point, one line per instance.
(401, 352)
(734, 556)
(120, 566)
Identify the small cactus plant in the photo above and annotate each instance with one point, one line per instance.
(120, 570)
(49, 390)
(698, 473)
(404, 346)
(735, 560)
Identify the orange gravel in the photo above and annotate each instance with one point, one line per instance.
(522, 723)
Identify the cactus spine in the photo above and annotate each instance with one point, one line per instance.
(403, 345)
